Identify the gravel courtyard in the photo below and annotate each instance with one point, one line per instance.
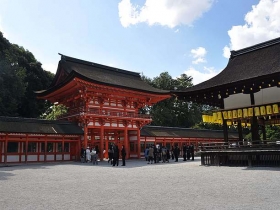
(182, 185)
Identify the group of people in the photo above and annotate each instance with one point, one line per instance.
(157, 153)
(90, 155)
(114, 154)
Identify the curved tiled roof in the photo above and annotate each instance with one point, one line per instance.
(102, 74)
(37, 126)
(245, 65)
(160, 131)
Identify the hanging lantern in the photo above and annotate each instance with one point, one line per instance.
(275, 109)
(215, 118)
(219, 115)
(220, 121)
(257, 111)
(268, 109)
(239, 113)
(243, 124)
(263, 110)
(229, 123)
(234, 114)
(245, 113)
(205, 118)
(250, 112)
(210, 119)
(229, 114)
(225, 115)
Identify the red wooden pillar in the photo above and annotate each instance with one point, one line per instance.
(63, 148)
(139, 144)
(106, 147)
(101, 142)
(85, 135)
(6, 149)
(26, 148)
(126, 143)
(45, 149)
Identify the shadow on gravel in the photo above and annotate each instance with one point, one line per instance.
(5, 175)
(135, 163)
(263, 168)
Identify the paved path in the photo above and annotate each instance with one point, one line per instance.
(182, 185)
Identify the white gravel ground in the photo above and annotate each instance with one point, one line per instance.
(182, 185)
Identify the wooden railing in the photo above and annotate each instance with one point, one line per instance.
(103, 113)
(255, 153)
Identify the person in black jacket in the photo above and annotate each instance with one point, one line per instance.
(116, 155)
(176, 153)
(184, 152)
(192, 151)
(123, 153)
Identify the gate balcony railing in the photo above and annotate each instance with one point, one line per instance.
(103, 113)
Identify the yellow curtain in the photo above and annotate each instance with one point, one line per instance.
(257, 111)
(275, 108)
(225, 115)
(229, 114)
(234, 113)
(263, 110)
(239, 113)
(245, 113)
(215, 117)
(219, 114)
(268, 109)
(250, 112)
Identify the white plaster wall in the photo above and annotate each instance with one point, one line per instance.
(58, 157)
(131, 155)
(41, 158)
(237, 100)
(2, 159)
(67, 157)
(50, 157)
(31, 157)
(22, 158)
(267, 95)
(12, 158)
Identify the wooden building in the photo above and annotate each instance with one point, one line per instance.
(247, 93)
(170, 136)
(31, 140)
(104, 101)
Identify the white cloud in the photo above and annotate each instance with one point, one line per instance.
(198, 54)
(169, 13)
(177, 30)
(198, 76)
(226, 52)
(262, 23)
(50, 67)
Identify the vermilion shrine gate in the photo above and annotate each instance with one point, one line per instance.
(105, 101)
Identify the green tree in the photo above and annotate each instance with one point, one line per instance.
(23, 66)
(54, 111)
(173, 112)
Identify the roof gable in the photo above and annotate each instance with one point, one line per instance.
(245, 66)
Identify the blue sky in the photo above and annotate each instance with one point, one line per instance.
(146, 36)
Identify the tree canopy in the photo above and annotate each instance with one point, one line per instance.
(20, 75)
(173, 112)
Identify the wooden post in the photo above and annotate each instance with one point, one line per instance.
(63, 148)
(139, 144)
(240, 134)
(45, 149)
(126, 144)
(101, 142)
(85, 135)
(26, 148)
(6, 149)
